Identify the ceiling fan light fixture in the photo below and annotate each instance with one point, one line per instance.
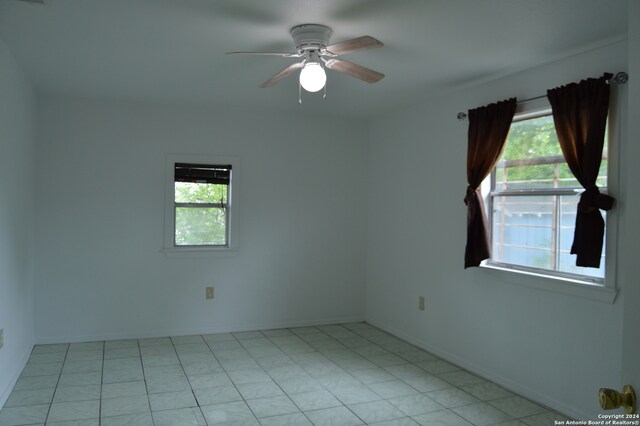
(312, 77)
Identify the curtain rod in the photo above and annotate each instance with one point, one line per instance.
(620, 78)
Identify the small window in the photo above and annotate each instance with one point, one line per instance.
(201, 203)
(533, 201)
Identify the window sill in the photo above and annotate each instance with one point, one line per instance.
(572, 287)
(199, 252)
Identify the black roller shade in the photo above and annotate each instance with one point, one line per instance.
(219, 174)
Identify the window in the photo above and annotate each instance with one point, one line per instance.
(201, 201)
(200, 212)
(533, 201)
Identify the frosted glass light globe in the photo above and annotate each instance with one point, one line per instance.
(312, 77)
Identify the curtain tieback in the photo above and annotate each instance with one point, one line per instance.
(591, 200)
(470, 193)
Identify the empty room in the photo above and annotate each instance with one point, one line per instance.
(319, 212)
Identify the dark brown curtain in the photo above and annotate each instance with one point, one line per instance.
(580, 116)
(488, 130)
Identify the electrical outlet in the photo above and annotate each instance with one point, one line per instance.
(209, 293)
(421, 303)
(1, 337)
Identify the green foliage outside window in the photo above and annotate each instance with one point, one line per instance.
(201, 214)
(537, 138)
(188, 192)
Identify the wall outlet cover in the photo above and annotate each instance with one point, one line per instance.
(209, 294)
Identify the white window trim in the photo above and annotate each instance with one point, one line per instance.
(170, 249)
(594, 289)
(556, 284)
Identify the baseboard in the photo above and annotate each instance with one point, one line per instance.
(493, 376)
(42, 340)
(4, 394)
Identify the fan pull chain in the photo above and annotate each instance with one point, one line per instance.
(325, 91)
(299, 93)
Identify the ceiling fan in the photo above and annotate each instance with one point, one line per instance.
(312, 45)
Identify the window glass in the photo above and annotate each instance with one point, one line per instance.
(201, 226)
(192, 192)
(533, 202)
(201, 204)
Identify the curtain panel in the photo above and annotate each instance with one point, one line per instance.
(488, 130)
(580, 117)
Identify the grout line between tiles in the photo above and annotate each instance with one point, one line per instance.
(327, 345)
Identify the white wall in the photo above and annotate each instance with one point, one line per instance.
(101, 273)
(629, 239)
(17, 204)
(555, 348)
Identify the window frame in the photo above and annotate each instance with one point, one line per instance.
(595, 288)
(170, 247)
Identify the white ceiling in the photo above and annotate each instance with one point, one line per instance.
(174, 50)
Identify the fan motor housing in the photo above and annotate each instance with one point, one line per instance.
(310, 36)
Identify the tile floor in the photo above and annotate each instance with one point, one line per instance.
(348, 374)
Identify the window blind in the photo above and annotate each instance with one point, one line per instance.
(203, 173)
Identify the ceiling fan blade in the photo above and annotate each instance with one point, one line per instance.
(282, 54)
(355, 44)
(282, 74)
(354, 70)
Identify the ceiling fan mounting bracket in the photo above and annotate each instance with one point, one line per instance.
(310, 37)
